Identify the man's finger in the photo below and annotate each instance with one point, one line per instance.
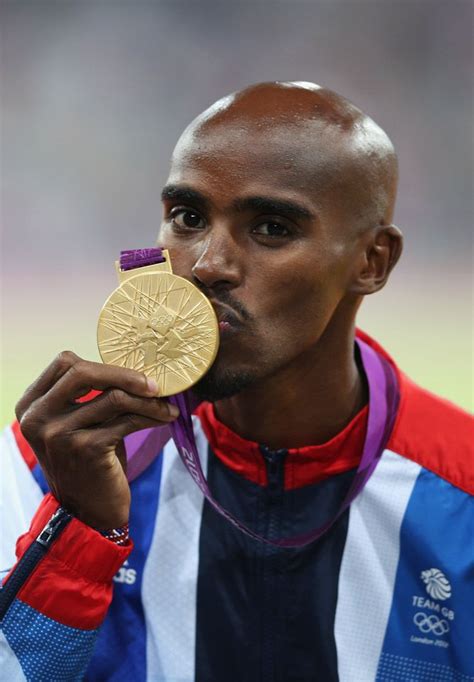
(46, 380)
(115, 403)
(122, 426)
(85, 376)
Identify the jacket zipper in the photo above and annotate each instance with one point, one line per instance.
(275, 463)
(31, 558)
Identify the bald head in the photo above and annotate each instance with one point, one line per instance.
(311, 133)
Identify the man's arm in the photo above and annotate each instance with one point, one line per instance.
(56, 596)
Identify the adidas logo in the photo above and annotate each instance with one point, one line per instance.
(126, 575)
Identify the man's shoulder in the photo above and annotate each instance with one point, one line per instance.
(435, 433)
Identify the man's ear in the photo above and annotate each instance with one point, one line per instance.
(382, 249)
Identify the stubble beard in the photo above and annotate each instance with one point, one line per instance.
(219, 384)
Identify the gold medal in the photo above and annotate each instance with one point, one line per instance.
(159, 324)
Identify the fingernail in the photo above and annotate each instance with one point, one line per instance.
(173, 410)
(152, 386)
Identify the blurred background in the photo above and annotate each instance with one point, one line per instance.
(95, 93)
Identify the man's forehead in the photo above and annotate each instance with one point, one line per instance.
(278, 150)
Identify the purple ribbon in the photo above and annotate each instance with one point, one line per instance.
(138, 258)
(143, 446)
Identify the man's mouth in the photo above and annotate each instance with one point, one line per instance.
(229, 320)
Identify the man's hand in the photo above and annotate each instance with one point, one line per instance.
(80, 445)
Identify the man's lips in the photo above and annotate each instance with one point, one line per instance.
(228, 318)
(225, 327)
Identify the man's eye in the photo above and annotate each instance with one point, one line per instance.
(187, 219)
(272, 229)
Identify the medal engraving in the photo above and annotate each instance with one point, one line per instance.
(162, 325)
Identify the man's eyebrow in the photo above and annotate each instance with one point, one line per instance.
(184, 194)
(273, 205)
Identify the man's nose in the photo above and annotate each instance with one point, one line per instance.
(218, 262)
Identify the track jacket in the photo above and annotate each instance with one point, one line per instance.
(386, 594)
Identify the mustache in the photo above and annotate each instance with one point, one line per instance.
(225, 297)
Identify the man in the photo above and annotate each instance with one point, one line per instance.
(279, 208)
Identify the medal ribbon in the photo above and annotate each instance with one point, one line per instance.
(383, 404)
(138, 258)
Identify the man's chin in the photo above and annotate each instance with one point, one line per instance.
(216, 385)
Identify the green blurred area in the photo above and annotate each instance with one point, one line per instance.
(95, 94)
(427, 332)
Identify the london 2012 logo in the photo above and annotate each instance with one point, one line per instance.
(437, 585)
(435, 620)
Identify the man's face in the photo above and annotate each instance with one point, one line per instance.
(247, 219)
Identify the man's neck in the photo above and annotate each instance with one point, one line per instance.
(307, 403)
